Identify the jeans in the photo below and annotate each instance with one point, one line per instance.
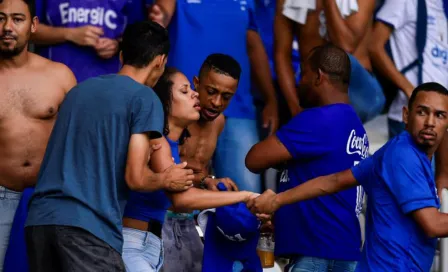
(64, 248)
(183, 246)
(9, 200)
(312, 264)
(16, 259)
(142, 251)
(237, 138)
(365, 92)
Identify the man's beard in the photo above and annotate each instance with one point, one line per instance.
(8, 54)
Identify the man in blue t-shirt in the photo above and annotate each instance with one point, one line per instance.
(98, 150)
(325, 138)
(84, 35)
(403, 220)
(201, 28)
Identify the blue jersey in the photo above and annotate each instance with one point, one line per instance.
(398, 180)
(153, 205)
(111, 15)
(321, 141)
(81, 182)
(201, 28)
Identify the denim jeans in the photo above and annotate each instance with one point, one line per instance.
(9, 200)
(312, 264)
(237, 138)
(183, 245)
(142, 251)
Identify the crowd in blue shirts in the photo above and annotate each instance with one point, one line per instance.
(326, 139)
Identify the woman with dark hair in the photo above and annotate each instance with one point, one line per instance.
(145, 212)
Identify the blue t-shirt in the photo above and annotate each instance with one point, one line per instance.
(81, 182)
(111, 15)
(398, 180)
(264, 17)
(201, 28)
(321, 141)
(153, 205)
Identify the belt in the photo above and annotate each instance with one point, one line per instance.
(171, 214)
(153, 226)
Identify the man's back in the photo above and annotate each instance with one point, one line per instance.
(322, 141)
(86, 156)
(398, 180)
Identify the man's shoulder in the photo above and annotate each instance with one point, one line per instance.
(219, 123)
(47, 66)
(55, 72)
(400, 151)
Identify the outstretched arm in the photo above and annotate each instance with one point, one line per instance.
(269, 202)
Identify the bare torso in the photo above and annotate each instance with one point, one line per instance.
(309, 37)
(198, 149)
(29, 101)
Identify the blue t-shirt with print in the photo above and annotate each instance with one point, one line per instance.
(322, 141)
(398, 180)
(110, 15)
(81, 182)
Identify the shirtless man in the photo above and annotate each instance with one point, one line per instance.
(217, 83)
(32, 88)
(324, 24)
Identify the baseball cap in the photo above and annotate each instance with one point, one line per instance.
(231, 235)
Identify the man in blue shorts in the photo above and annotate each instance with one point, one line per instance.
(98, 150)
(403, 221)
(325, 138)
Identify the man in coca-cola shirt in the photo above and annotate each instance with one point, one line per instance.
(325, 138)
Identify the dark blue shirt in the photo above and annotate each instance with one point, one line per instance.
(151, 206)
(321, 141)
(200, 28)
(398, 180)
(81, 181)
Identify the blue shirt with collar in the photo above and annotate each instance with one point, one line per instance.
(398, 180)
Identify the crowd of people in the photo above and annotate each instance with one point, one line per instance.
(130, 123)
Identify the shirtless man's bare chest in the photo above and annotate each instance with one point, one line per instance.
(199, 148)
(30, 97)
(315, 33)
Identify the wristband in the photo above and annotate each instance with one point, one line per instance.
(202, 184)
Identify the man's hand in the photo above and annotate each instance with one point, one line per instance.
(264, 204)
(85, 35)
(157, 15)
(106, 48)
(212, 184)
(178, 179)
(270, 116)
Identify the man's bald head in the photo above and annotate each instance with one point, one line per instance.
(331, 60)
